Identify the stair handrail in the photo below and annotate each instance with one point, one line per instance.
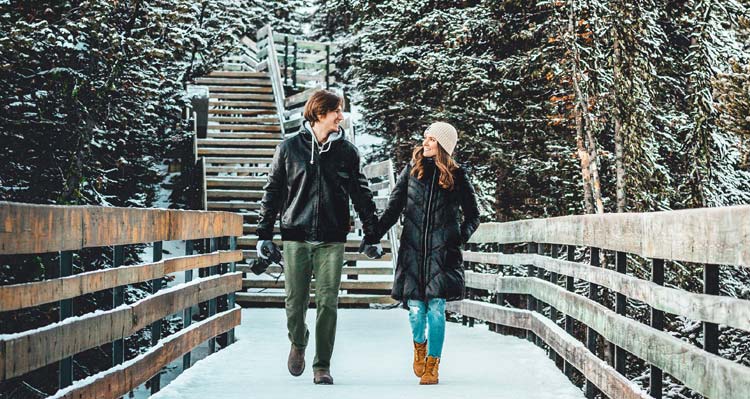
(274, 71)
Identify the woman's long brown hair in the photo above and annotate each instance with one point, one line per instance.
(444, 163)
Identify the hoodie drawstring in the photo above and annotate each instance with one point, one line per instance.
(314, 141)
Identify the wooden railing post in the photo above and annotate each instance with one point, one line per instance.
(570, 286)
(212, 270)
(199, 101)
(591, 334)
(66, 310)
(531, 303)
(294, 65)
(156, 326)
(187, 314)
(118, 298)
(231, 296)
(657, 322)
(554, 279)
(711, 287)
(620, 308)
(328, 63)
(286, 59)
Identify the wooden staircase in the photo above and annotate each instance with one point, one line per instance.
(243, 132)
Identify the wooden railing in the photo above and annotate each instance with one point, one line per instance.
(302, 63)
(37, 229)
(710, 237)
(382, 180)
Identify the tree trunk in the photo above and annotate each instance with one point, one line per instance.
(589, 160)
(617, 119)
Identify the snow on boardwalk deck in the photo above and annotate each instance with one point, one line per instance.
(372, 359)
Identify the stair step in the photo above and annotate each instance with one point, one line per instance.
(258, 152)
(238, 160)
(235, 111)
(251, 228)
(240, 181)
(345, 284)
(245, 120)
(347, 270)
(233, 81)
(240, 96)
(235, 169)
(243, 104)
(252, 241)
(245, 128)
(246, 298)
(232, 205)
(235, 194)
(239, 142)
(348, 256)
(238, 74)
(244, 135)
(238, 89)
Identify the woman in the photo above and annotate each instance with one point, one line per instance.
(429, 192)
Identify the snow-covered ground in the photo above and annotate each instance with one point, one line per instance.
(372, 359)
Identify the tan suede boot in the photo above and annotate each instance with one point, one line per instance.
(420, 353)
(430, 375)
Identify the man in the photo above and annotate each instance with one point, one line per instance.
(312, 177)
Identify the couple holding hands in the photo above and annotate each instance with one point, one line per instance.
(313, 176)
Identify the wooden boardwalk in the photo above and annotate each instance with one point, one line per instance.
(372, 359)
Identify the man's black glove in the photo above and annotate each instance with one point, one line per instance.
(373, 251)
(267, 249)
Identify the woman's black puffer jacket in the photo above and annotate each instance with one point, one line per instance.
(430, 264)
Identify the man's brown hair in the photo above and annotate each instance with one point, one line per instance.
(321, 103)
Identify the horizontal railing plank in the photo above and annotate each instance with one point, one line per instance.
(30, 350)
(704, 235)
(30, 228)
(607, 379)
(19, 296)
(730, 311)
(706, 373)
(379, 169)
(117, 382)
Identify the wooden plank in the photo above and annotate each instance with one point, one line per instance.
(347, 270)
(300, 97)
(704, 235)
(701, 307)
(374, 170)
(117, 382)
(345, 285)
(252, 241)
(706, 373)
(348, 256)
(596, 370)
(385, 185)
(30, 350)
(30, 228)
(347, 299)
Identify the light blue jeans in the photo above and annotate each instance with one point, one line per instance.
(428, 316)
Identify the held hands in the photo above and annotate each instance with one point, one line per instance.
(373, 251)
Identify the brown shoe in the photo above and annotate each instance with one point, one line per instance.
(322, 377)
(296, 361)
(430, 375)
(420, 353)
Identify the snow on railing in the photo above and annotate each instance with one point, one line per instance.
(36, 229)
(708, 237)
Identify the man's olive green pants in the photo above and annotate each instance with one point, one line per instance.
(301, 260)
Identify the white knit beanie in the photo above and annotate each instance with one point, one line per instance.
(445, 134)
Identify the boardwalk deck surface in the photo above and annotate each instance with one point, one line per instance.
(372, 359)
